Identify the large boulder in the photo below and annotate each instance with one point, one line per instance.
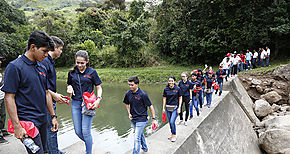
(272, 97)
(275, 140)
(256, 81)
(283, 72)
(278, 122)
(262, 108)
(259, 89)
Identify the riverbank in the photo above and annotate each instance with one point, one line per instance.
(156, 74)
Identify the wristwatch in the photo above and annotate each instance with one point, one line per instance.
(154, 118)
(52, 116)
(99, 98)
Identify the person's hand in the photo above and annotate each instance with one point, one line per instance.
(163, 110)
(70, 90)
(130, 117)
(205, 65)
(155, 122)
(54, 124)
(20, 132)
(58, 98)
(178, 110)
(96, 104)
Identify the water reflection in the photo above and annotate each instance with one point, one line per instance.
(111, 127)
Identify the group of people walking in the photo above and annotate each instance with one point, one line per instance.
(238, 62)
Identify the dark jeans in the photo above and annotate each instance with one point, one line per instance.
(185, 101)
(51, 145)
(2, 116)
(234, 70)
(40, 139)
(254, 62)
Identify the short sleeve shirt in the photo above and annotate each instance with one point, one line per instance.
(139, 101)
(83, 82)
(28, 81)
(48, 62)
(197, 84)
(209, 82)
(185, 87)
(172, 95)
(219, 74)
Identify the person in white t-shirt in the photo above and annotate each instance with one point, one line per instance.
(226, 67)
(263, 56)
(235, 64)
(267, 56)
(248, 59)
(255, 59)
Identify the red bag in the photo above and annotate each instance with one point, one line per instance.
(215, 87)
(29, 127)
(66, 99)
(154, 127)
(164, 117)
(89, 99)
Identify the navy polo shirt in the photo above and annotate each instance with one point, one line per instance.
(196, 83)
(139, 101)
(209, 82)
(48, 62)
(206, 73)
(83, 82)
(200, 77)
(28, 81)
(184, 87)
(219, 73)
(172, 95)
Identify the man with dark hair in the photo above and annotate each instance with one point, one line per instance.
(137, 101)
(51, 144)
(25, 87)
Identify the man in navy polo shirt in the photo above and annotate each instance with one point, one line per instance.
(51, 144)
(220, 75)
(25, 87)
(137, 101)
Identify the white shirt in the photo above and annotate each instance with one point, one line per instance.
(1, 92)
(236, 60)
(263, 54)
(249, 55)
(268, 52)
(255, 55)
(226, 65)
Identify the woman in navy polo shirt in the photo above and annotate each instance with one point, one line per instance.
(220, 75)
(208, 87)
(196, 86)
(186, 93)
(172, 101)
(83, 79)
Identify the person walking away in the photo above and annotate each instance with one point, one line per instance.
(235, 62)
(26, 93)
(267, 56)
(83, 79)
(209, 88)
(226, 67)
(186, 93)
(137, 102)
(201, 78)
(52, 144)
(220, 75)
(263, 56)
(196, 87)
(172, 101)
(248, 59)
(255, 59)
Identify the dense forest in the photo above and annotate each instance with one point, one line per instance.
(183, 32)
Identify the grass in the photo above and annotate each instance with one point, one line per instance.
(156, 74)
(271, 68)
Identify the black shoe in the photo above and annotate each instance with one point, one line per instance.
(62, 152)
(2, 140)
(5, 133)
(197, 113)
(191, 116)
(216, 92)
(220, 93)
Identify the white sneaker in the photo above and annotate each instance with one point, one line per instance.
(169, 138)
(173, 139)
(185, 123)
(180, 122)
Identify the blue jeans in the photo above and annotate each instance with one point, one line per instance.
(220, 87)
(171, 118)
(82, 124)
(249, 64)
(208, 98)
(201, 98)
(139, 138)
(195, 104)
(267, 61)
(262, 61)
(51, 143)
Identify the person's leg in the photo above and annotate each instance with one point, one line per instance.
(2, 114)
(172, 121)
(262, 61)
(76, 111)
(200, 98)
(187, 100)
(43, 134)
(191, 106)
(139, 138)
(220, 87)
(267, 61)
(51, 143)
(86, 131)
(207, 99)
(181, 114)
(195, 103)
(169, 115)
(210, 99)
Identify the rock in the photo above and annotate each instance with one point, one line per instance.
(289, 99)
(275, 140)
(283, 72)
(259, 89)
(262, 108)
(281, 114)
(285, 151)
(256, 81)
(272, 97)
(275, 107)
(278, 122)
(284, 108)
(268, 117)
(250, 79)
(267, 90)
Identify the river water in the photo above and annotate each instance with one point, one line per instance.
(111, 128)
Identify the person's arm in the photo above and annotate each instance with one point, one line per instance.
(205, 84)
(205, 67)
(57, 97)
(70, 90)
(49, 106)
(128, 110)
(99, 96)
(153, 115)
(180, 102)
(19, 131)
(164, 104)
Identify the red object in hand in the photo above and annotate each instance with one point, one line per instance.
(66, 99)
(29, 127)
(154, 127)
(164, 117)
(221, 76)
(89, 99)
(215, 87)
